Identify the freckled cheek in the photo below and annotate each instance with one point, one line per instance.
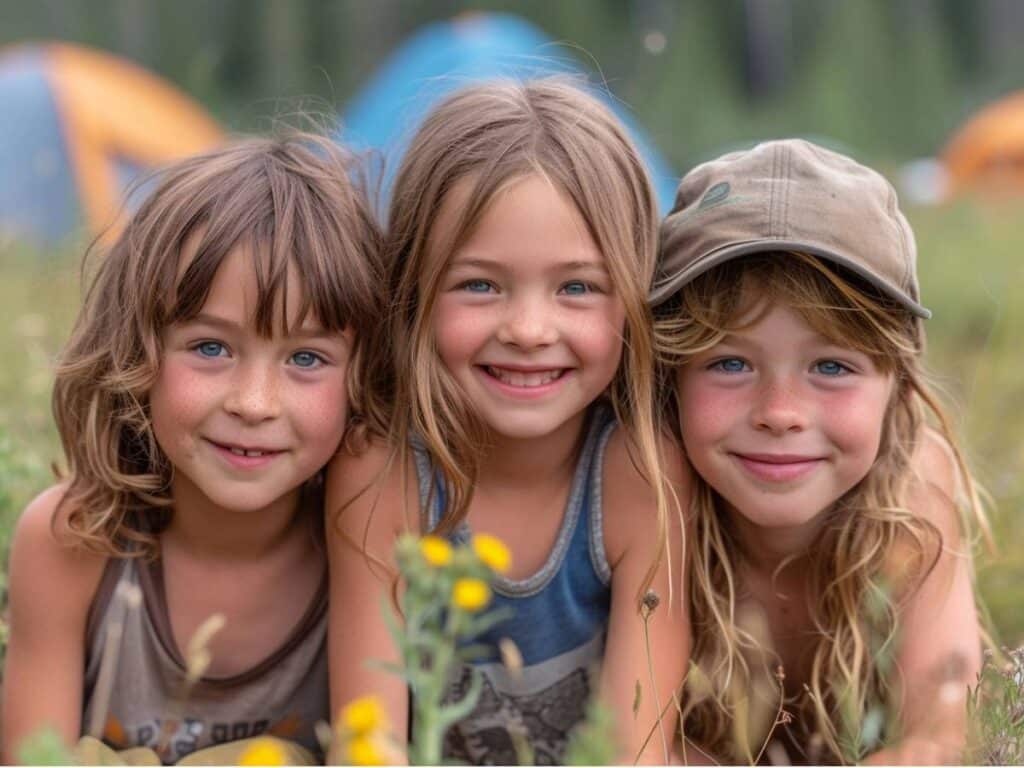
(180, 400)
(460, 333)
(598, 337)
(853, 421)
(707, 414)
(320, 412)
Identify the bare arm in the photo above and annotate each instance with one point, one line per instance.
(940, 651)
(51, 587)
(365, 514)
(659, 648)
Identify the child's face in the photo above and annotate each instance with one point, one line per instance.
(527, 320)
(780, 421)
(245, 420)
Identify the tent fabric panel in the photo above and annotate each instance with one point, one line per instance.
(120, 116)
(444, 56)
(38, 199)
(989, 143)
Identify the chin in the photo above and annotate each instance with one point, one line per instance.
(778, 515)
(245, 502)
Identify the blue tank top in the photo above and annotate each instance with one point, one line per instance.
(558, 619)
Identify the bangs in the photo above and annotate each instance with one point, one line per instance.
(274, 265)
(294, 221)
(834, 302)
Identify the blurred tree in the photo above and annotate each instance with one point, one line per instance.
(890, 77)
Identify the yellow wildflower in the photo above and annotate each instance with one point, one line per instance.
(362, 751)
(363, 715)
(436, 550)
(471, 594)
(263, 752)
(492, 552)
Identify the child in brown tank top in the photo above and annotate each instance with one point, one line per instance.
(205, 386)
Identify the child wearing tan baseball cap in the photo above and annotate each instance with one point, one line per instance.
(829, 574)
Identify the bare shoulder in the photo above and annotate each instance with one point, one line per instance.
(42, 529)
(935, 462)
(934, 488)
(51, 587)
(44, 566)
(371, 493)
(350, 471)
(629, 498)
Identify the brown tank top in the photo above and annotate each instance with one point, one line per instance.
(284, 695)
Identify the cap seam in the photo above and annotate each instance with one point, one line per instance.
(904, 250)
(772, 208)
(788, 178)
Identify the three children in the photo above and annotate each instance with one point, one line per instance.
(762, 451)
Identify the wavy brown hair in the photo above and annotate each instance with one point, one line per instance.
(294, 201)
(494, 134)
(869, 557)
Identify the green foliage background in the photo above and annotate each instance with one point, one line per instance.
(890, 78)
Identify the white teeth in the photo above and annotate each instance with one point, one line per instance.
(524, 379)
(243, 452)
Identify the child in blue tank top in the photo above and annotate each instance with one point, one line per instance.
(516, 399)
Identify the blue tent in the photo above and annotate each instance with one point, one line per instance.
(76, 126)
(444, 56)
(38, 195)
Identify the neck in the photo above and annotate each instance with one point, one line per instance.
(766, 549)
(208, 530)
(546, 460)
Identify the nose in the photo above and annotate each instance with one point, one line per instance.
(780, 407)
(254, 395)
(528, 323)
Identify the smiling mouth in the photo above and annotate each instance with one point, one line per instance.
(251, 453)
(525, 379)
(778, 469)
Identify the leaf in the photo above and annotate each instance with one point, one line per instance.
(486, 621)
(591, 742)
(475, 652)
(387, 666)
(638, 693)
(452, 713)
(44, 747)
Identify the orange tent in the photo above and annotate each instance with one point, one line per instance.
(987, 153)
(80, 125)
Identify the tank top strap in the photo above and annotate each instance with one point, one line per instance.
(593, 514)
(429, 483)
(582, 512)
(580, 542)
(114, 571)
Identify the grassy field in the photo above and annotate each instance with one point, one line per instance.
(972, 278)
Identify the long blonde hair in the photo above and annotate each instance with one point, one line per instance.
(873, 552)
(493, 134)
(293, 200)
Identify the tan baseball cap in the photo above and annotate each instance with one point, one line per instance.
(788, 195)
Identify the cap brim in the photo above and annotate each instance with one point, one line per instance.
(664, 290)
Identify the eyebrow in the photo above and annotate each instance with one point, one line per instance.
(561, 266)
(222, 322)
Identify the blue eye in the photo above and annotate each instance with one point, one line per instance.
(830, 368)
(476, 286)
(210, 349)
(306, 359)
(730, 365)
(576, 288)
